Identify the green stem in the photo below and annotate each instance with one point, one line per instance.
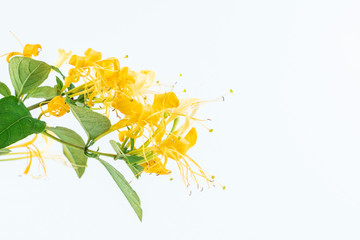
(123, 144)
(76, 146)
(45, 102)
(32, 107)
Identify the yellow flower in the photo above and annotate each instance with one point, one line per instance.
(139, 116)
(176, 146)
(63, 56)
(28, 51)
(57, 107)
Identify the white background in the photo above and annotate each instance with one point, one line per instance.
(285, 144)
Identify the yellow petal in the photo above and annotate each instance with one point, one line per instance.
(92, 55)
(155, 166)
(77, 61)
(31, 50)
(191, 137)
(165, 101)
(127, 106)
(145, 79)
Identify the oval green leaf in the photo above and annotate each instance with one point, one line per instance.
(27, 74)
(44, 92)
(4, 90)
(93, 123)
(16, 121)
(76, 156)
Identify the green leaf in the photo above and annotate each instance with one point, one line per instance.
(44, 92)
(136, 169)
(27, 74)
(93, 123)
(76, 156)
(58, 71)
(4, 90)
(16, 121)
(124, 186)
(4, 151)
(59, 83)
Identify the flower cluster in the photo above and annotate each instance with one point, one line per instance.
(153, 127)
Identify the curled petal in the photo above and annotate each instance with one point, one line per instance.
(58, 107)
(11, 55)
(92, 55)
(31, 50)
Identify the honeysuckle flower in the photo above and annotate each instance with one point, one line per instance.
(29, 50)
(57, 107)
(63, 56)
(177, 144)
(139, 115)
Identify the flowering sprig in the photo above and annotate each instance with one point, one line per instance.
(153, 127)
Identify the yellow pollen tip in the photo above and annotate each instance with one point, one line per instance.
(184, 90)
(231, 91)
(211, 130)
(171, 179)
(126, 56)
(212, 177)
(180, 75)
(223, 187)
